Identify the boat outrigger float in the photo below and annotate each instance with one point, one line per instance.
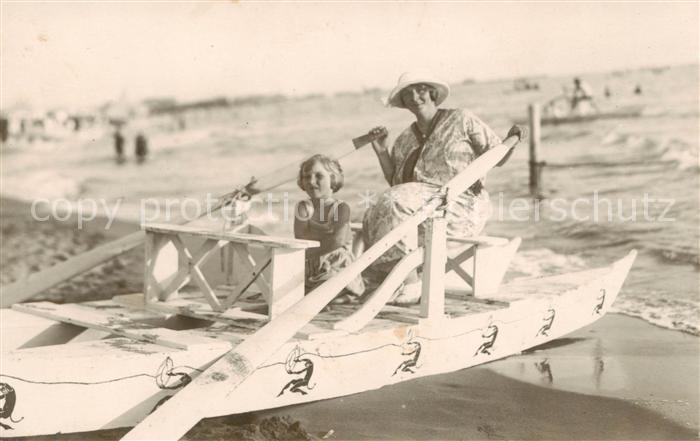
(164, 359)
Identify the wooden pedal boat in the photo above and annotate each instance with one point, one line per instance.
(166, 358)
(114, 364)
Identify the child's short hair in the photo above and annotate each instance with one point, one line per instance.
(329, 164)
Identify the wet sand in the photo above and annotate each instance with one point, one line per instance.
(620, 378)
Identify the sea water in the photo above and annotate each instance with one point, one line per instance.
(610, 185)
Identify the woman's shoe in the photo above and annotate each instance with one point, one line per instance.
(408, 294)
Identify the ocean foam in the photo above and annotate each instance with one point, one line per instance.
(543, 262)
(676, 314)
(681, 153)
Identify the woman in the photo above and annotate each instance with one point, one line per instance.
(434, 149)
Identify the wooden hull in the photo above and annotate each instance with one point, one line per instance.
(93, 383)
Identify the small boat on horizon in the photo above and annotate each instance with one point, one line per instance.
(623, 112)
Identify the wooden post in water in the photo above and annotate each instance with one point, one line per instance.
(535, 164)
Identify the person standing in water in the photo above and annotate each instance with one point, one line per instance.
(582, 98)
(119, 146)
(141, 147)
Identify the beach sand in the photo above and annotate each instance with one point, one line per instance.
(29, 246)
(620, 378)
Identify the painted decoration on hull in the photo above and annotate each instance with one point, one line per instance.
(548, 321)
(167, 377)
(412, 350)
(489, 335)
(296, 365)
(306, 370)
(8, 398)
(170, 377)
(601, 301)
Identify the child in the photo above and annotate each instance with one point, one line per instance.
(327, 220)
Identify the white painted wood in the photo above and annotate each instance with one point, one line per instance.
(286, 279)
(471, 299)
(198, 309)
(475, 277)
(234, 316)
(245, 282)
(20, 330)
(432, 302)
(343, 364)
(454, 264)
(493, 262)
(249, 268)
(165, 266)
(182, 277)
(378, 299)
(480, 240)
(94, 385)
(206, 289)
(110, 322)
(150, 285)
(175, 417)
(314, 332)
(247, 238)
(25, 330)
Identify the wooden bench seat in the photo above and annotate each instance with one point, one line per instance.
(275, 265)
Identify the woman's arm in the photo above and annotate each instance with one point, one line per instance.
(380, 149)
(482, 138)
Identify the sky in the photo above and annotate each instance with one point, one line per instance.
(78, 54)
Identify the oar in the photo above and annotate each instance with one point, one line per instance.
(216, 384)
(35, 283)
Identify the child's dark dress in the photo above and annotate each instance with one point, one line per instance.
(322, 268)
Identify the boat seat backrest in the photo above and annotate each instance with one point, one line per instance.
(462, 259)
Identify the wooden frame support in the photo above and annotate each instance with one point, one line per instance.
(275, 265)
(286, 279)
(432, 302)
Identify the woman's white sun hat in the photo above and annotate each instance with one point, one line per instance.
(417, 77)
